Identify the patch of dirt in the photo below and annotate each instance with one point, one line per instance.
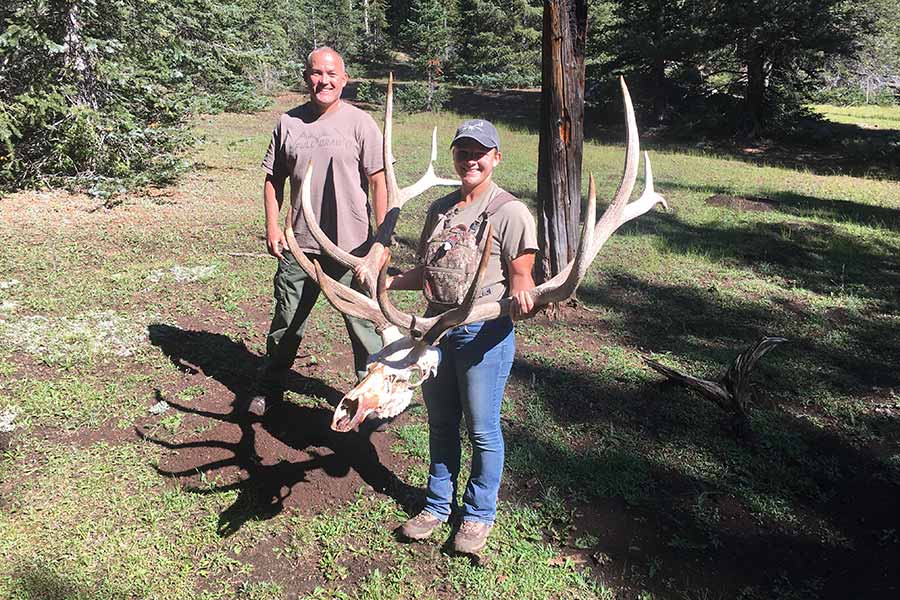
(742, 203)
(288, 457)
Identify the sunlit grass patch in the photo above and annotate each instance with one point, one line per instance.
(66, 341)
(884, 117)
(99, 523)
(72, 402)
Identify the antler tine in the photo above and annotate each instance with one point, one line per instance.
(648, 199)
(394, 197)
(330, 248)
(343, 298)
(389, 310)
(429, 179)
(455, 316)
(294, 248)
(613, 216)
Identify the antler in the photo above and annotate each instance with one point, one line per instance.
(367, 266)
(593, 237)
(387, 387)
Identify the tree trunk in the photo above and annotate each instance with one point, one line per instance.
(366, 16)
(562, 133)
(756, 86)
(660, 90)
(78, 62)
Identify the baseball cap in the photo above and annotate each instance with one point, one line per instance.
(479, 130)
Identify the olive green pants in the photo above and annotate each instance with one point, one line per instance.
(295, 296)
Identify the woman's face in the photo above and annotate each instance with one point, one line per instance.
(473, 162)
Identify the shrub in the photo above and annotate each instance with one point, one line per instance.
(368, 91)
(420, 96)
(97, 94)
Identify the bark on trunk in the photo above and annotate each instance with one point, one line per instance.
(78, 62)
(756, 86)
(562, 133)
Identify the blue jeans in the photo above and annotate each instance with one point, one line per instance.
(475, 364)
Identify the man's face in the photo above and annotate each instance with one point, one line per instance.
(473, 162)
(326, 79)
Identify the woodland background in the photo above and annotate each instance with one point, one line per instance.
(98, 95)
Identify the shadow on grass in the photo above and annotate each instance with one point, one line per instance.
(811, 512)
(799, 205)
(251, 441)
(42, 582)
(807, 508)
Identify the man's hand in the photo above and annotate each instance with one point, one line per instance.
(275, 241)
(521, 306)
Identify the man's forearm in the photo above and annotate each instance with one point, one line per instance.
(271, 203)
(378, 188)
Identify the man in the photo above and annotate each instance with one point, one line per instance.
(345, 146)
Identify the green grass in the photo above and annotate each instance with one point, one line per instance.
(102, 515)
(883, 117)
(85, 514)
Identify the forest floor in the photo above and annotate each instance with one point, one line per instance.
(130, 337)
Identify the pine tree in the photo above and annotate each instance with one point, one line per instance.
(428, 36)
(499, 43)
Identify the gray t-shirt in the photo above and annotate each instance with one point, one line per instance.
(514, 233)
(345, 147)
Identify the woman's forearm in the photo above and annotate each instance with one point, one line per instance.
(408, 280)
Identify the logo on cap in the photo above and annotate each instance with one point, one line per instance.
(479, 130)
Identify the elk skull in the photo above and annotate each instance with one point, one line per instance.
(387, 389)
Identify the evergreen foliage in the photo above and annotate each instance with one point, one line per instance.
(499, 43)
(872, 76)
(97, 94)
(754, 63)
(427, 35)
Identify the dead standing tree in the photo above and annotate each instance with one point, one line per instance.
(561, 134)
(79, 65)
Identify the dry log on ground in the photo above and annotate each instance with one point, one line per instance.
(731, 392)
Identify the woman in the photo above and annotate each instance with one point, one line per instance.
(476, 358)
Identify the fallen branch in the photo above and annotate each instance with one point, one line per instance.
(250, 254)
(731, 391)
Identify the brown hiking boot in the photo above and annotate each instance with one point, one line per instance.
(420, 526)
(471, 537)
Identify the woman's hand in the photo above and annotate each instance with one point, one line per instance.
(521, 306)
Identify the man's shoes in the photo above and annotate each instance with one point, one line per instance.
(471, 537)
(421, 526)
(260, 403)
(269, 388)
